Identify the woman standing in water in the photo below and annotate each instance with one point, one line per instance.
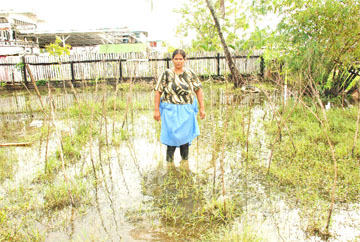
(176, 106)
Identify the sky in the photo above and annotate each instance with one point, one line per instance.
(159, 21)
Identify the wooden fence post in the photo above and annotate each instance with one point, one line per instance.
(218, 63)
(168, 62)
(72, 72)
(262, 66)
(120, 70)
(43, 72)
(24, 71)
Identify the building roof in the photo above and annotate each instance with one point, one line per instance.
(82, 37)
(24, 25)
(30, 16)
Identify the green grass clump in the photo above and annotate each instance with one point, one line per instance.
(302, 163)
(71, 149)
(229, 234)
(19, 209)
(120, 136)
(183, 208)
(73, 144)
(10, 231)
(59, 196)
(138, 86)
(122, 104)
(52, 169)
(83, 109)
(303, 157)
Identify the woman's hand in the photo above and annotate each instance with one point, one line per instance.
(200, 97)
(202, 113)
(157, 115)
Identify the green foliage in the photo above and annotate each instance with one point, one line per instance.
(71, 148)
(19, 66)
(122, 135)
(228, 234)
(72, 145)
(84, 109)
(189, 205)
(302, 162)
(140, 86)
(14, 232)
(52, 169)
(17, 215)
(58, 48)
(122, 104)
(196, 19)
(181, 204)
(257, 39)
(59, 195)
(41, 82)
(319, 41)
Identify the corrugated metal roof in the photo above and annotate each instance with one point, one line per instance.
(82, 37)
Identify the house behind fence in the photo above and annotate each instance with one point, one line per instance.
(94, 66)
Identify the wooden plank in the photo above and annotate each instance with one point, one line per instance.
(15, 144)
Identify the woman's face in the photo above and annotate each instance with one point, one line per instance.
(178, 61)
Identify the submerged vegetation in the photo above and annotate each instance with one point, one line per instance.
(101, 158)
(8, 161)
(302, 162)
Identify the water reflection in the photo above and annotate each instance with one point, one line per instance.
(136, 195)
(25, 104)
(178, 197)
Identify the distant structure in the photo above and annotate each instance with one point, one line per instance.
(85, 37)
(12, 42)
(20, 35)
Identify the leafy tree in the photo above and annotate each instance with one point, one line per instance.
(229, 32)
(318, 38)
(256, 40)
(197, 20)
(58, 48)
(235, 74)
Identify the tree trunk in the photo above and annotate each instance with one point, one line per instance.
(234, 71)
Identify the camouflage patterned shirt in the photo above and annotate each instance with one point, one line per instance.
(178, 88)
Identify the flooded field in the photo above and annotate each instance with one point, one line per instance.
(96, 171)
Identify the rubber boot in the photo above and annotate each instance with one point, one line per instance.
(170, 153)
(184, 151)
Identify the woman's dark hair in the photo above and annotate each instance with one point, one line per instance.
(179, 51)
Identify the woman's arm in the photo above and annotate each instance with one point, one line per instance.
(200, 98)
(157, 104)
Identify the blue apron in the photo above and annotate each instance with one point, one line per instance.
(178, 123)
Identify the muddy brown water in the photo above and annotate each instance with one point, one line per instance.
(122, 208)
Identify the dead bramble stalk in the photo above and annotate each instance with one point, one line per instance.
(357, 127)
(325, 125)
(51, 115)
